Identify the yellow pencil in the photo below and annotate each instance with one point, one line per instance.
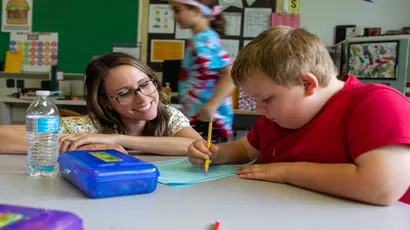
(208, 144)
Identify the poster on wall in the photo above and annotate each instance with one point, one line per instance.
(40, 50)
(256, 20)
(162, 49)
(225, 4)
(231, 46)
(161, 19)
(17, 15)
(233, 26)
(373, 60)
(293, 7)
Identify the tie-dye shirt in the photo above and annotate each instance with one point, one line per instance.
(84, 124)
(203, 58)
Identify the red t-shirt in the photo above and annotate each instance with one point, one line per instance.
(359, 118)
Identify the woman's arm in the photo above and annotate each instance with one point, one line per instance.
(13, 139)
(172, 146)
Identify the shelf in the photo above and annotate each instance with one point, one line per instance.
(39, 75)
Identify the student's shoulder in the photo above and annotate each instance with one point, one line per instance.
(206, 37)
(376, 94)
(176, 114)
(177, 120)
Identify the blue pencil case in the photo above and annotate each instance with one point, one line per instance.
(108, 173)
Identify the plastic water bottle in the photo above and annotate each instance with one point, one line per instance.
(42, 128)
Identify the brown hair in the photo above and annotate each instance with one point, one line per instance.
(283, 53)
(97, 98)
(218, 22)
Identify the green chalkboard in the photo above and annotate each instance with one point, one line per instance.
(85, 27)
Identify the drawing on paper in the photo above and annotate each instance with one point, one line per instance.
(373, 60)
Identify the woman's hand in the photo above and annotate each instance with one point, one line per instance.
(70, 142)
(102, 147)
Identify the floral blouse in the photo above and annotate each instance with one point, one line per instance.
(84, 124)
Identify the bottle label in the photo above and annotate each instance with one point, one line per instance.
(48, 125)
(9, 218)
(105, 156)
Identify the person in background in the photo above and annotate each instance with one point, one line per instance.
(125, 106)
(205, 85)
(340, 137)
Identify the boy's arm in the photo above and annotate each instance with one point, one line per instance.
(380, 176)
(237, 152)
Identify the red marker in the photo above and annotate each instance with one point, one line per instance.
(216, 226)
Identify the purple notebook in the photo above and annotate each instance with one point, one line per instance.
(19, 218)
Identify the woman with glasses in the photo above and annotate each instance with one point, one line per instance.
(125, 112)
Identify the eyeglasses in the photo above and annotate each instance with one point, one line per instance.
(126, 96)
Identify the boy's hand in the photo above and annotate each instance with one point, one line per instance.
(273, 172)
(198, 152)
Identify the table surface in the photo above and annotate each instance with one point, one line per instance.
(238, 204)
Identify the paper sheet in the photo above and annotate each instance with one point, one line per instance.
(233, 27)
(295, 20)
(292, 20)
(180, 172)
(133, 51)
(17, 16)
(293, 7)
(256, 21)
(280, 6)
(167, 50)
(228, 3)
(245, 42)
(276, 19)
(161, 19)
(231, 46)
(250, 2)
(182, 33)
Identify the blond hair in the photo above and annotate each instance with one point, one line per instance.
(283, 53)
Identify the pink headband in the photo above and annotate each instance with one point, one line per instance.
(205, 10)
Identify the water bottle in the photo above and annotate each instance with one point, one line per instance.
(42, 128)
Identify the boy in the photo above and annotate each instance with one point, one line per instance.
(343, 138)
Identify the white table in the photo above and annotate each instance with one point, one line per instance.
(238, 204)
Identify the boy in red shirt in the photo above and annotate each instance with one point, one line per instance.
(340, 137)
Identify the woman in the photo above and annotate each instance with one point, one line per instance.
(124, 100)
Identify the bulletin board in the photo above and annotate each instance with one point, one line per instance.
(85, 28)
(247, 16)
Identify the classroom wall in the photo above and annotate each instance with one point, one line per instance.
(321, 16)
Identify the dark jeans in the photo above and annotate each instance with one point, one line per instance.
(202, 128)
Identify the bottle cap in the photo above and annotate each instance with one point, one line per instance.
(167, 84)
(43, 93)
